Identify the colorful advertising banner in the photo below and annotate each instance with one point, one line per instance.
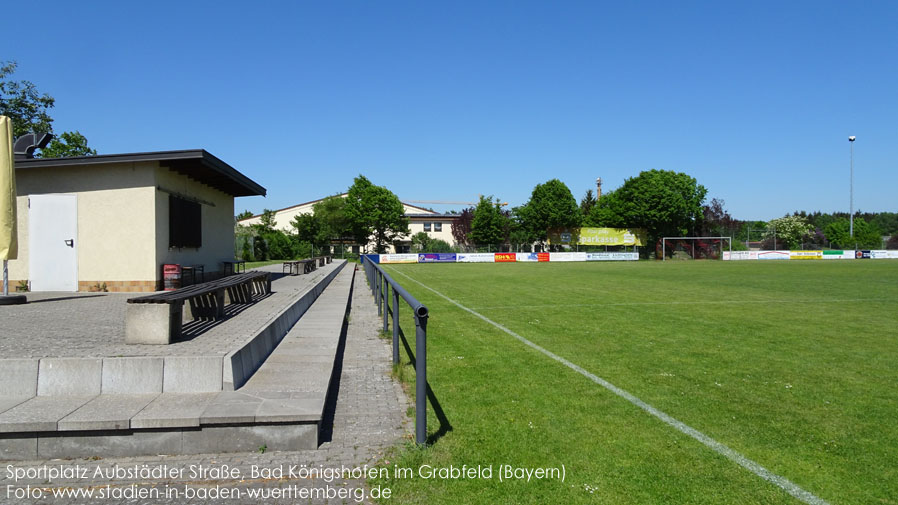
(437, 258)
(523, 257)
(597, 236)
(567, 256)
(506, 257)
(862, 255)
(881, 255)
(740, 255)
(805, 255)
(612, 256)
(398, 258)
(475, 258)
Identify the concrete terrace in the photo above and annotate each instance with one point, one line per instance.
(254, 379)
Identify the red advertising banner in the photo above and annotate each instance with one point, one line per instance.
(505, 258)
(543, 256)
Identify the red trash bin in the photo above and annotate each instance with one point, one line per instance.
(171, 277)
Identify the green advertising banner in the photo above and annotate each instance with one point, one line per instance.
(597, 236)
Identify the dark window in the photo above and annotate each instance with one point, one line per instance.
(185, 223)
(437, 226)
(426, 226)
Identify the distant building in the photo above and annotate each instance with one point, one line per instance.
(438, 226)
(115, 219)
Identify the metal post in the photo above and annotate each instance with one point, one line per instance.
(420, 379)
(851, 191)
(5, 279)
(387, 305)
(378, 280)
(395, 327)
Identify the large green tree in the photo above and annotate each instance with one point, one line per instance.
(551, 205)
(789, 231)
(866, 235)
(28, 109)
(663, 202)
(331, 212)
(374, 212)
(488, 223)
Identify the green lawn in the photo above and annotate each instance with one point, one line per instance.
(792, 364)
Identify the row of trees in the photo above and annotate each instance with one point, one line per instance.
(29, 111)
(664, 203)
(368, 212)
(661, 202)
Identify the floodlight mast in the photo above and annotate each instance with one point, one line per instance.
(851, 188)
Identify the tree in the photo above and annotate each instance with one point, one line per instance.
(663, 202)
(244, 215)
(788, 231)
(331, 212)
(67, 145)
(29, 111)
(716, 221)
(24, 104)
(374, 212)
(266, 222)
(866, 235)
(551, 205)
(587, 203)
(487, 224)
(308, 229)
(461, 228)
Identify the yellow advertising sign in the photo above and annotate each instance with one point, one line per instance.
(805, 255)
(597, 236)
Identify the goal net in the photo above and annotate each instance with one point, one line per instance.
(694, 248)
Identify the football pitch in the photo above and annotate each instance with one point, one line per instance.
(649, 382)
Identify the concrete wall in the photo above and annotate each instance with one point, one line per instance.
(217, 222)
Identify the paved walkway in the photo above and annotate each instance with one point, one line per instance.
(92, 325)
(368, 412)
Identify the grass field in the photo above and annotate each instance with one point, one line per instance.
(793, 365)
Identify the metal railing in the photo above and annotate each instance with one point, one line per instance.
(380, 283)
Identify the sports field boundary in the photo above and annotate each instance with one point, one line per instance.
(785, 484)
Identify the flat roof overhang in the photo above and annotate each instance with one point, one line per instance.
(196, 164)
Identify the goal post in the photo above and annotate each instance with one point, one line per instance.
(695, 247)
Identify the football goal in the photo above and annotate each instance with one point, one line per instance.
(695, 248)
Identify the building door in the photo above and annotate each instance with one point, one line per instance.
(52, 242)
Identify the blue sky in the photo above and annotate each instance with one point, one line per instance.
(449, 100)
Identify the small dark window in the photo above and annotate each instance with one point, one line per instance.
(437, 226)
(185, 223)
(426, 226)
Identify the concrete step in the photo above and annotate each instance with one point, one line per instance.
(281, 406)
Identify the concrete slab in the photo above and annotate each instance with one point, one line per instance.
(109, 444)
(8, 402)
(18, 446)
(173, 410)
(132, 375)
(309, 408)
(19, 376)
(192, 374)
(41, 413)
(69, 376)
(231, 407)
(106, 412)
(276, 437)
(149, 323)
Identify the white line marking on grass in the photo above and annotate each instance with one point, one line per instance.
(703, 302)
(753, 467)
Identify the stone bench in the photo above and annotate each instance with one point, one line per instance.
(157, 318)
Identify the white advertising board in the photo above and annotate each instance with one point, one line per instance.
(476, 258)
(398, 258)
(740, 255)
(773, 255)
(612, 256)
(567, 256)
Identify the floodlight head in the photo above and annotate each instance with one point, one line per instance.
(851, 138)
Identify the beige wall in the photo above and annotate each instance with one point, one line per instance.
(123, 222)
(112, 244)
(217, 219)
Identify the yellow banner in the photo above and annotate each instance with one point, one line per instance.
(597, 236)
